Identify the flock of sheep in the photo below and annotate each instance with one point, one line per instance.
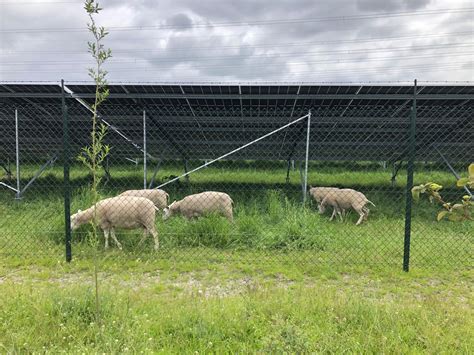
(134, 209)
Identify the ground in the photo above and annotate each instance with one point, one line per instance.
(205, 305)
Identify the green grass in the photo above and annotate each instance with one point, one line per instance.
(205, 305)
(281, 278)
(269, 216)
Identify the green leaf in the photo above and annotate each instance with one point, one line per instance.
(462, 182)
(415, 191)
(441, 215)
(434, 187)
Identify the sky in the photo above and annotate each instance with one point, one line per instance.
(242, 41)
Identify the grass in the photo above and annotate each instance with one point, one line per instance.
(280, 279)
(205, 305)
(269, 216)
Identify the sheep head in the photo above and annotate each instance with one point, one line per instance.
(322, 208)
(75, 220)
(167, 211)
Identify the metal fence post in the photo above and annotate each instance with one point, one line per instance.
(17, 148)
(67, 187)
(144, 149)
(305, 188)
(409, 199)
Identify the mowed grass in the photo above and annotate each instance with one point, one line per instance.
(269, 216)
(205, 306)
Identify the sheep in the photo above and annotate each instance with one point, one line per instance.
(126, 212)
(344, 199)
(159, 197)
(198, 204)
(319, 193)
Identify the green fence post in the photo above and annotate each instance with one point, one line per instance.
(66, 183)
(409, 199)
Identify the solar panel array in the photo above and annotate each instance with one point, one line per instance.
(349, 122)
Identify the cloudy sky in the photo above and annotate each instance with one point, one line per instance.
(244, 40)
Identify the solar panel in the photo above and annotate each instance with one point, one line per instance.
(203, 121)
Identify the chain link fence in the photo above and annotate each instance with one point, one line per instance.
(259, 153)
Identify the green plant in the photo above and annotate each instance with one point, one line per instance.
(454, 212)
(93, 155)
(467, 181)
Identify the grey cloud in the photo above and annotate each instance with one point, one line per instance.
(181, 22)
(246, 52)
(391, 5)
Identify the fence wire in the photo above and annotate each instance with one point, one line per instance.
(253, 205)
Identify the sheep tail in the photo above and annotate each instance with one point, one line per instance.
(371, 203)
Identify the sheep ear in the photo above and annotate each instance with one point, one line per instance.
(172, 203)
(79, 211)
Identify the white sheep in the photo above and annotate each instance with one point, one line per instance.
(319, 193)
(126, 212)
(345, 199)
(198, 204)
(159, 197)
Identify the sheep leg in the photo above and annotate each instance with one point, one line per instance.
(145, 235)
(334, 211)
(340, 213)
(112, 232)
(154, 233)
(361, 214)
(106, 237)
(366, 210)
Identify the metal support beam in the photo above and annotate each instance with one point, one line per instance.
(8, 186)
(144, 151)
(305, 185)
(157, 167)
(7, 169)
(188, 96)
(409, 199)
(17, 152)
(110, 126)
(159, 127)
(454, 172)
(291, 116)
(395, 170)
(288, 171)
(425, 144)
(195, 118)
(235, 150)
(186, 176)
(67, 188)
(295, 142)
(303, 189)
(39, 172)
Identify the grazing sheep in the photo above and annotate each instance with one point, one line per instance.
(126, 212)
(319, 193)
(199, 204)
(159, 197)
(345, 199)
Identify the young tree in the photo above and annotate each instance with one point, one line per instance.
(93, 155)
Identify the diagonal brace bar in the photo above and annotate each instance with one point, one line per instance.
(39, 172)
(236, 150)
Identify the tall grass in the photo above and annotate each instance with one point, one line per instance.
(269, 216)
